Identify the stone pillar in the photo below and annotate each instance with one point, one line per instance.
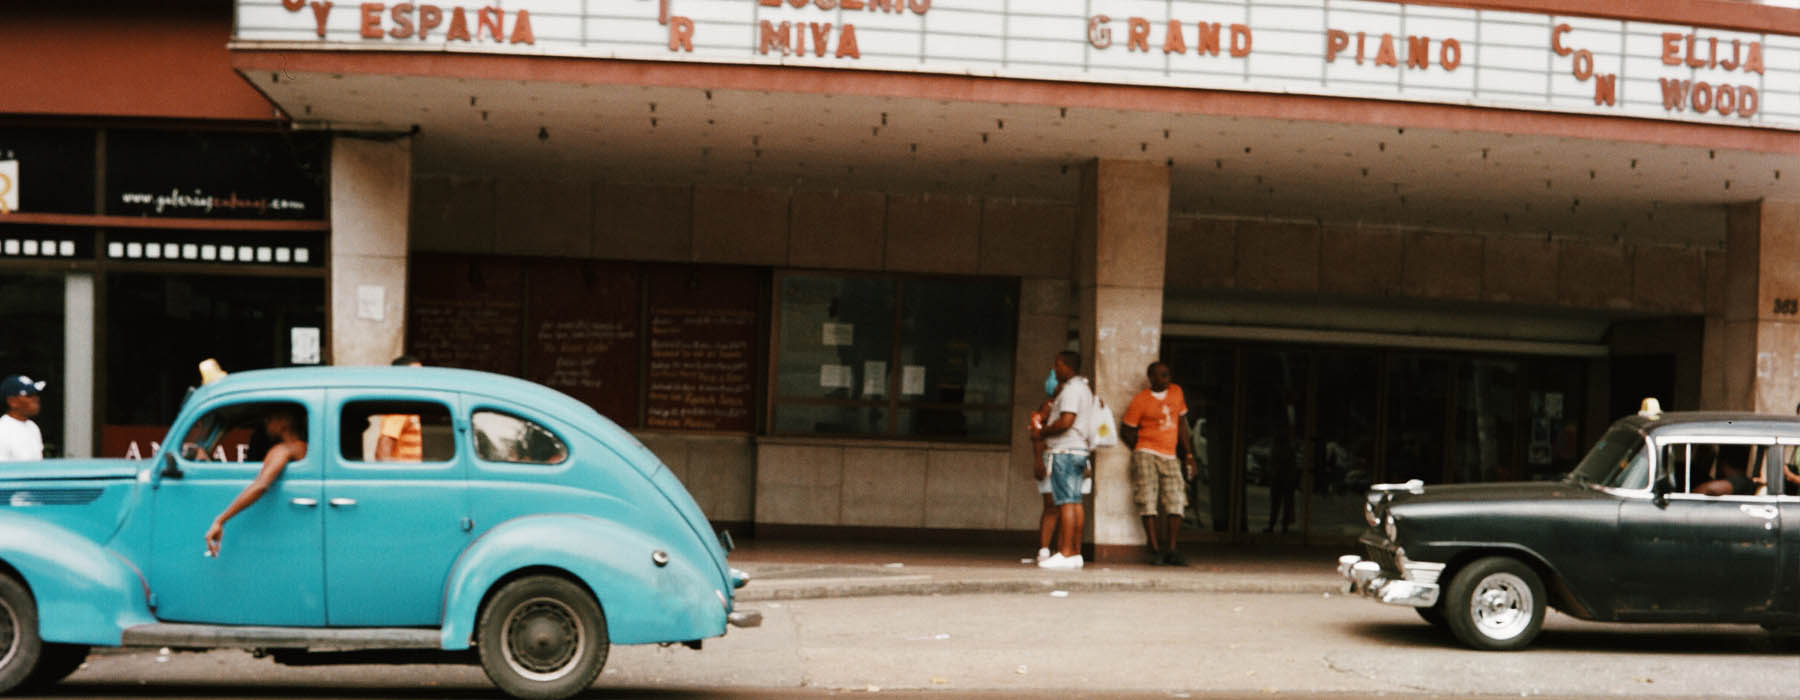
(371, 192)
(1751, 355)
(1120, 250)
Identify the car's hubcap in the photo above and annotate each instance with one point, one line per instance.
(1501, 606)
(543, 638)
(9, 634)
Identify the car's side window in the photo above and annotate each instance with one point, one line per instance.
(503, 437)
(234, 433)
(1716, 469)
(396, 431)
(1784, 473)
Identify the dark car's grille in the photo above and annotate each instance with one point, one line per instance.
(48, 497)
(1383, 556)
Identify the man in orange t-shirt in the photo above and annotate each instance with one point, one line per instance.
(402, 439)
(1155, 427)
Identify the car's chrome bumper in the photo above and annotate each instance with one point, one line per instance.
(744, 618)
(1417, 587)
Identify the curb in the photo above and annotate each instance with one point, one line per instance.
(862, 588)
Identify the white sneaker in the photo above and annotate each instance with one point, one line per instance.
(1043, 553)
(1058, 561)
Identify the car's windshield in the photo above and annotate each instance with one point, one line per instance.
(1618, 461)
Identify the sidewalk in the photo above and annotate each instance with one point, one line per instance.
(785, 570)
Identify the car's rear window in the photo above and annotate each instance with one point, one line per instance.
(503, 437)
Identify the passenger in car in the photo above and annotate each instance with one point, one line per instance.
(1732, 479)
(286, 428)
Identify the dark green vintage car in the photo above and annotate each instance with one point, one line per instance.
(1677, 517)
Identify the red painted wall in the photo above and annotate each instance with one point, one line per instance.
(110, 58)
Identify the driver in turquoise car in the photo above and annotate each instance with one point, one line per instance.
(286, 428)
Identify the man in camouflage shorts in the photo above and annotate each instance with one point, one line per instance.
(1155, 427)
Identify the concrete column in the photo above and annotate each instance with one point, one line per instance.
(371, 192)
(77, 390)
(1120, 249)
(1751, 354)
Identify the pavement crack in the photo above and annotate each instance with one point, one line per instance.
(1334, 666)
(798, 621)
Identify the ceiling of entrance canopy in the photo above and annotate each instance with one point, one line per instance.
(1471, 180)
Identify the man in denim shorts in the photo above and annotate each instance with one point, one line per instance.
(1068, 450)
(1155, 427)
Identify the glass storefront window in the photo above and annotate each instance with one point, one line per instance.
(837, 337)
(31, 312)
(1343, 450)
(55, 168)
(902, 357)
(1418, 389)
(159, 328)
(1292, 436)
(1275, 435)
(216, 175)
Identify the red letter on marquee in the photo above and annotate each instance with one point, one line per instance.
(1240, 49)
(1671, 48)
(1606, 90)
(1418, 52)
(681, 34)
(1556, 44)
(774, 37)
(402, 15)
(1207, 40)
(321, 10)
(429, 17)
(1450, 54)
(1335, 40)
(1139, 37)
(371, 20)
(1674, 94)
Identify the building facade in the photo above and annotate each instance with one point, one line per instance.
(818, 255)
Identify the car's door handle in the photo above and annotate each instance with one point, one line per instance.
(306, 502)
(343, 502)
(1764, 512)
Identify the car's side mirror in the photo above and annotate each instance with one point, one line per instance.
(170, 470)
(1660, 491)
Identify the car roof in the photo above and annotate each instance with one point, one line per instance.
(1714, 424)
(425, 378)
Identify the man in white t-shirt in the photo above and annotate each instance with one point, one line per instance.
(1068, 450)
(20, 439)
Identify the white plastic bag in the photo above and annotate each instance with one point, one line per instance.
(1099, 426)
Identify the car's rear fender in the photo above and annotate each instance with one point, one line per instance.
(85, 593)
(643, 602)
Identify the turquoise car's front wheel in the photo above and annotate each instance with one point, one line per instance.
(542, 638)
(19, 642)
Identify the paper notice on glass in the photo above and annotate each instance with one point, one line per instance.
(835, 376)
(303, 345)
(912, 380)
(9, 185)
(837, 334)
(874, 378)
(1553, 405)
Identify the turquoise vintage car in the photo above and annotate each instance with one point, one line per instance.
(513, 527)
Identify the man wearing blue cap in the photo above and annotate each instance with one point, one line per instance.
(20, 439)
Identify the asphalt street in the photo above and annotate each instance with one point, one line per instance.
(1147, 645)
